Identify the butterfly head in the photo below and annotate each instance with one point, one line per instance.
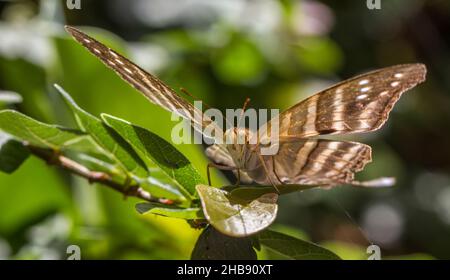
(238, 136)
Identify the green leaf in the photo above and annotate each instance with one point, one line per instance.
(100, 165)
(12, 154)
(9, 97)
(107, 139)
(122, 152)
(236, 217)
(294, 248)
(168, 211)
(212, 245)
(160, 188)
(157, 186)
(86, 145)
(159, 151)
(37, 133)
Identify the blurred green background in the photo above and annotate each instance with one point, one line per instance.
(222, 51)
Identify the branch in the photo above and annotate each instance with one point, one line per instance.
(74, 167)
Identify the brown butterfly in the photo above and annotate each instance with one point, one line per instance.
(360, 104)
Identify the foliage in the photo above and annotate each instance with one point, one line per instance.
(130, 147)
(294, 248)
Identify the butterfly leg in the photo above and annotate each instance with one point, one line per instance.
(268, 174)
(275, 171)
(218, 166)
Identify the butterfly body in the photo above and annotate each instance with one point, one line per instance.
(238, 145)
(360, 104)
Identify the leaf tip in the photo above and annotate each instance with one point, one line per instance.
(107, 118)
(64, 93)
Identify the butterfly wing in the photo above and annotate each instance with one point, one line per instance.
(153, 88)
(360, 104)
(309, 162)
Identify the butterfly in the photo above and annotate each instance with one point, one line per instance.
(360, 104)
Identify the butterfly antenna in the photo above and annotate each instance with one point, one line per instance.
(353, 221)
(247, 101)
(185, 91)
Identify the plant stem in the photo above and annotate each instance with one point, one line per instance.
(54, 158)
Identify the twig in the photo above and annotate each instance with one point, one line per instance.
(52, 157)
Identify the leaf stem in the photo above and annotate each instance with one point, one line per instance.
(54, 158)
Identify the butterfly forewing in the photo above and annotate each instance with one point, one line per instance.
(153, 88)
(360, 104)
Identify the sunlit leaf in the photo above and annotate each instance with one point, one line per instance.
(37, 133)
(107, 138)
(174, 212)
(236, 217)
(294, 248)
(159, 151)
(86, 145)
(213, 245)
(159, 187)
(97, 164)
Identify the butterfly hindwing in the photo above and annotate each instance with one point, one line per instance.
(310, 161)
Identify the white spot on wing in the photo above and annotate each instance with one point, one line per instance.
(97, 51)
(128, 70)
(363, 82)
(339, 113)
(365, 89)
(362, 96)
(394, 84)
(398, 75)
(113, 54)
(86, 40)
(310, 122)
(339, 164)
(333, 145)
(119, 61)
